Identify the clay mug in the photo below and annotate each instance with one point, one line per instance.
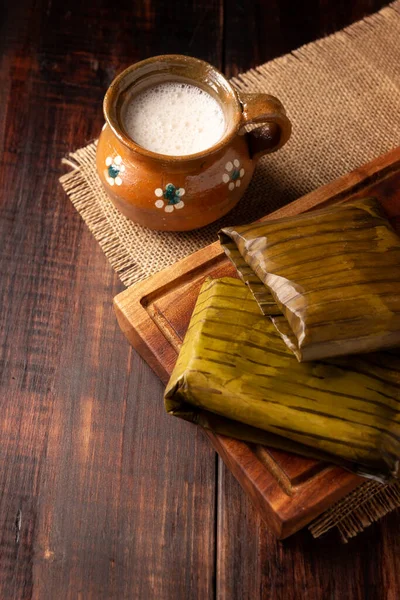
(178, 193)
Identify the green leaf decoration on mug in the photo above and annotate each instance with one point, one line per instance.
(233, 175)
(169, 198)
(113, 171)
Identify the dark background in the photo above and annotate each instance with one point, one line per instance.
(101, 494)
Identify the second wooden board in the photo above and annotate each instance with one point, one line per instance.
(288, 490)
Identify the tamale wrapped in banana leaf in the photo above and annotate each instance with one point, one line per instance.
(236, 376)
(329, 279)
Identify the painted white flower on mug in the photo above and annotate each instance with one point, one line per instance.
(234, 174)
(114, 170)
(169, 198)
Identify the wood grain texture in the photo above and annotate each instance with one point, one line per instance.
(256, 32)
(300, 568)
(101, 495)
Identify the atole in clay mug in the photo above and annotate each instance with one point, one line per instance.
(178, 193)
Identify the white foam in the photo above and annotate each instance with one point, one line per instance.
(175, 119)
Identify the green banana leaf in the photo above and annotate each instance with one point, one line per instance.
(235, 375)
(329, 279)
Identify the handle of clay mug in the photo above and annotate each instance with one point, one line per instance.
(276, 128)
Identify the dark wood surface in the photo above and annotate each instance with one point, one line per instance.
(101, 494)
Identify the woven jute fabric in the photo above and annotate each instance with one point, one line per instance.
(342, 94)
(366, 504)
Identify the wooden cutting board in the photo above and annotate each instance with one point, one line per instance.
(288, 490)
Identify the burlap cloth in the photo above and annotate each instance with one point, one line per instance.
(342, 94)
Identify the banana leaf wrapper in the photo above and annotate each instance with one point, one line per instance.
(328, 279)
(235, 376)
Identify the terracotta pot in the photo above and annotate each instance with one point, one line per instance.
(177, 193)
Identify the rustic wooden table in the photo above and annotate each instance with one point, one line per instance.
(101, 494)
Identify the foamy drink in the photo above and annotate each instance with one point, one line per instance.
(174, 118)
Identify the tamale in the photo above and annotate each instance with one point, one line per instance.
(236, 376)
(329, 279)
